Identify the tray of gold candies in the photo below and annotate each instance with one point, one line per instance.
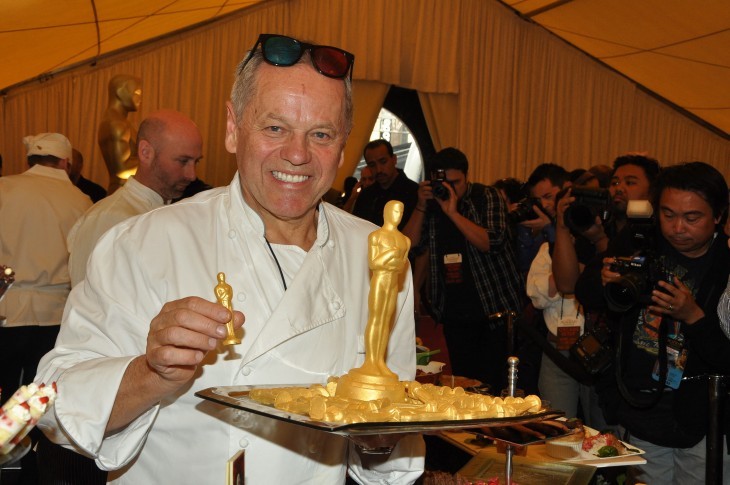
(427, 407)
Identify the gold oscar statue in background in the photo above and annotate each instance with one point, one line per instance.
(388, 260)
(117, 137)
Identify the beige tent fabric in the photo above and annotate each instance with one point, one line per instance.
(368, 97)
(510, 95)
(440, 111)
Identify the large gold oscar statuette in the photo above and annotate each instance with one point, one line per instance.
(117, 136)
(388, 258)
(224, 295)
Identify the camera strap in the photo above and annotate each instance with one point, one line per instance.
(656, 392)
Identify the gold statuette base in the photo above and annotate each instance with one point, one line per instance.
(366, 387)
(232, 341)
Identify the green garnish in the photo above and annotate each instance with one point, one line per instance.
(607, 451)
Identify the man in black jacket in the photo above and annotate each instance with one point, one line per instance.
(391, 183)
(669, 336)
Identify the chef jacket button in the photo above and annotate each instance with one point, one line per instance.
(232, 234)
(246, 371)
(241, 296)
(330, 243)
(243, 443)
(334, 306)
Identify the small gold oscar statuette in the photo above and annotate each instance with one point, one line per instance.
(224, 295)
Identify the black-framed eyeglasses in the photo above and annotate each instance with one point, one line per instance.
(283, 51)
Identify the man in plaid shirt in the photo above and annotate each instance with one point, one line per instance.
(473, 266)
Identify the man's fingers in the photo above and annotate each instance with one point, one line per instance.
(161, 358)
(186, 338)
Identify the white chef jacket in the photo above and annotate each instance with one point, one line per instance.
(131, 199)
(312, 331)
(37, 210)
(555, 307)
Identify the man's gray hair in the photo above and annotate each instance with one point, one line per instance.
(244, 86)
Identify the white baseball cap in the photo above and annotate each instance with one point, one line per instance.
(48, 144)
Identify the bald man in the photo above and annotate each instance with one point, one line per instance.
(169, 145)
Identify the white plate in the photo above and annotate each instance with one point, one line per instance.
(632, 458)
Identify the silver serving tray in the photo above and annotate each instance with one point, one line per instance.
(238, 397)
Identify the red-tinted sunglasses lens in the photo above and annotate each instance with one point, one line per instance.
(330, 61)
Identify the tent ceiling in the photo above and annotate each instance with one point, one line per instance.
(679, 50)
(40, 36)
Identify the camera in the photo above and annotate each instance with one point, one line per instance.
(594, 349)
(589, 202)
(438, 179)
(639, 276)
(524, 211)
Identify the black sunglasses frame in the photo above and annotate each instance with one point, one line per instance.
(303, 46)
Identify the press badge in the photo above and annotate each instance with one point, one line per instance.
(676, 360)
(452, 266)
(569, 329)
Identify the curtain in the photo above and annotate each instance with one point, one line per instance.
(368, 97)
(441, 112)
(503, 90)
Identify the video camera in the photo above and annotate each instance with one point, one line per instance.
(589, 202)
(639, 274)
(438, 179)
(524, 210)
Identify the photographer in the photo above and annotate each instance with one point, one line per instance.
(632, 179)
(565, 321)
(536, 213)
(473, 269)
(670, 334)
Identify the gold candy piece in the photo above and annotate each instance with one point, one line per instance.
(423, 403)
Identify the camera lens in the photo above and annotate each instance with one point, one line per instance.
(439, 191)
(624, 293)
(579, 217)
(523, 211)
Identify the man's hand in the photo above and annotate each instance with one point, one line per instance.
(608, 276)
(182, 333)
(563, 204)
(356, 189)
(537, 224)
(596, 233)
(448, 206)
(179, 337)
(425, 193)
(676, 301)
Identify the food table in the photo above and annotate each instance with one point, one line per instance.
(488, 461)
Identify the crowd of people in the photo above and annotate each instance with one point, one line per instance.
(632, 256)
(623, 289)
(620, 277)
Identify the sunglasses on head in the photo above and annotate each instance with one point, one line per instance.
(283, 51)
